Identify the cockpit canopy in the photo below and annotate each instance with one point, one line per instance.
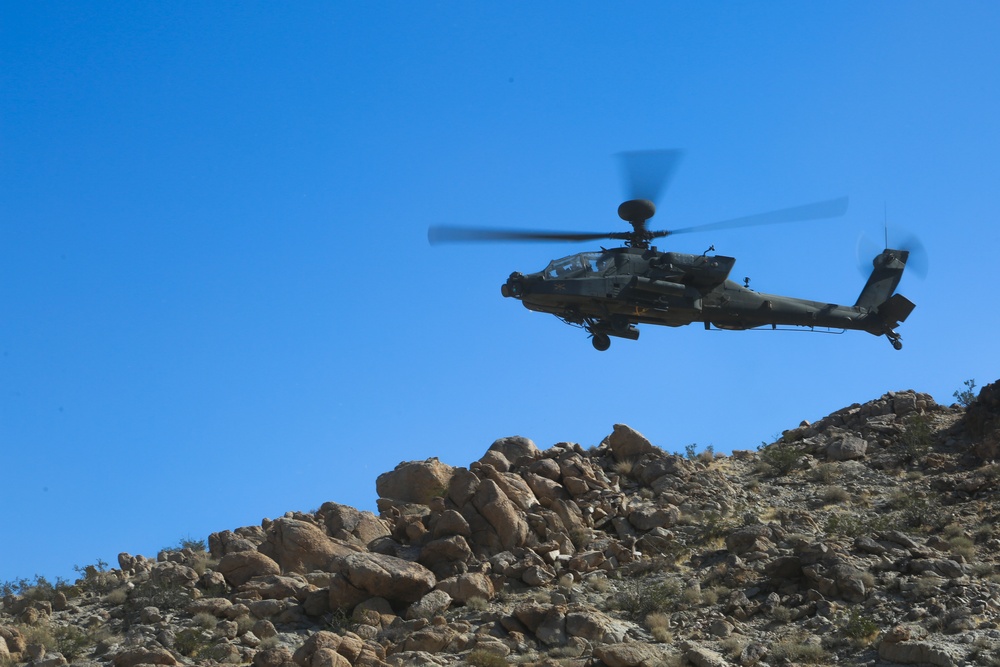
(579, 265)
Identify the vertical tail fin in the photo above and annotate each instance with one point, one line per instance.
(889, 265)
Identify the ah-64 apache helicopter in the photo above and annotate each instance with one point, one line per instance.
(611, 291)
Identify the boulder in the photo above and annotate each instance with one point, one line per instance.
(241, 566)
(227, 542)
(595, 627)
(384, 576)
(415, 481)
(632, 654)
(502, 515)
(699, 656)
(648, 518)
(915, 653)
(323, 639)
(327, 657)
(846, 448)
(131, 657)
(433, 604)
(513, 486)
(446, 556)
(448, 523)
(350, 525)
(464, 587)
(513, 448)
(278, 656)
(299, 546)
(628, 444)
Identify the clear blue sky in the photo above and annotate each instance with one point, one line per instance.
(219, 303)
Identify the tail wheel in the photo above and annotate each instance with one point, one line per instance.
(601, 341)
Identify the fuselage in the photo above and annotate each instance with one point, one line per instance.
(619, 288)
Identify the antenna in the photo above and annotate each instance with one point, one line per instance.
(885, 223)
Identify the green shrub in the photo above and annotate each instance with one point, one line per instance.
(858, 627)
(780, 457)
(965, 397)
(917, 438)
(639, 598)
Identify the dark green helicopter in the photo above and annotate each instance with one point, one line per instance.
(612, 291)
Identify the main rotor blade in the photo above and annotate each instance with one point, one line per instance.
(447, 234)
(823, 209)
(647, 173)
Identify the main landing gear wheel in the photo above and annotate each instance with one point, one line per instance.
(601, 341)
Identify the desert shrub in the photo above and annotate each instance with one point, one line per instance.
(853, 525)
(638, 598)
(39, 634)
(781, 614)
(477, 603)
(798, 651)
(116, 597)
(859, 628)
(707, 455)
(965, 397)
(73, 642)
(833, 495)
(780, 458)
(826, 473)
(912, 511)
(963, 546)
(484, 658)
(917, 438)
(598, 584)
(190, 641)
(96, 578)
(659, 626)
(164, 596)
(624, 468)
(205, 620)
(733, 645)
(38, 588)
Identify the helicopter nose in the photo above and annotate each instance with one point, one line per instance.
(514, 287)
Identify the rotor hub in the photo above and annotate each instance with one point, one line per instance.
(636, 210)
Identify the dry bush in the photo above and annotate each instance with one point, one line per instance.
(658, 624)
(834, 495)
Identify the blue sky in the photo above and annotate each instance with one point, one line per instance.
(219, 300)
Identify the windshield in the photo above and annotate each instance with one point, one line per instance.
(576, 266)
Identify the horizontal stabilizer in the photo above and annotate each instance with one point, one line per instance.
(896, 309)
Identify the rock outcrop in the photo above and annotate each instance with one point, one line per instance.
(865, 538)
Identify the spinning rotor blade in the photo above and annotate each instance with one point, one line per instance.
(647, 173)
(823, 209)
(918, 263)
(446, 234)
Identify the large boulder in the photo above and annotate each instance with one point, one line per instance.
(131, 657)
(415, 481)
(351, 525)
(379, 575)
(502, 515)
(632, 654)
(628, 444)
(515, 447)
(242, 566)
(299, 546)
(847, 448)
(464, 587)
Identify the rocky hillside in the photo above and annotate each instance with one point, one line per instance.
(866, 538)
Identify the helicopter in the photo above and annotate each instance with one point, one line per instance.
(610, 292)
